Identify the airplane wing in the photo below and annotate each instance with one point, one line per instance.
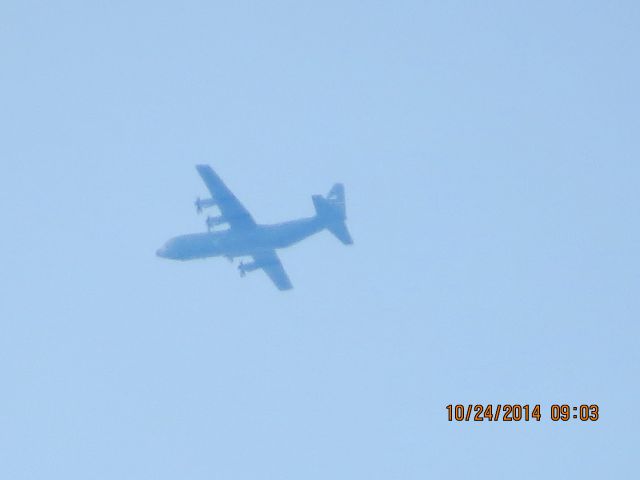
(269, 262)
(232, 210)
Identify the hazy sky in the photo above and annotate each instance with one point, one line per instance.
(490, 156)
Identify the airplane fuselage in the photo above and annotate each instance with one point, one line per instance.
(240, 242)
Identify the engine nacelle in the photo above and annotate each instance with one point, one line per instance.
(204, 203)
(247, 267)
(213, 221)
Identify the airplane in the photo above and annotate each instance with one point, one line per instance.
(245, 237)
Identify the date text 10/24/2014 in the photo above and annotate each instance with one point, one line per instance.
(521, 412)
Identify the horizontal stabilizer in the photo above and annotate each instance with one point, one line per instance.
(341, 232)
(332, 211)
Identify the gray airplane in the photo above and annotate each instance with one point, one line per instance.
(245, 237)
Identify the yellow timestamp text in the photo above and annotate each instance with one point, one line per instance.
(515, 412)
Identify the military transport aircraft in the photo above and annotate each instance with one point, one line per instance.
(245, 237)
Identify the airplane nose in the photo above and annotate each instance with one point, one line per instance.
(161, 252)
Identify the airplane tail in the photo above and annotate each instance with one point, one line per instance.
(332, 210)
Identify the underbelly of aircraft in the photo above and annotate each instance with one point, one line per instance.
(202, 245)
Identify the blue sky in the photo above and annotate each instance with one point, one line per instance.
(490, 158)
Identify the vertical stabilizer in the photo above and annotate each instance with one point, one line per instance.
(332, 210)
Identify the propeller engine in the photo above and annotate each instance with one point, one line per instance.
(247, 267)
(213, 221)
(203, 203)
